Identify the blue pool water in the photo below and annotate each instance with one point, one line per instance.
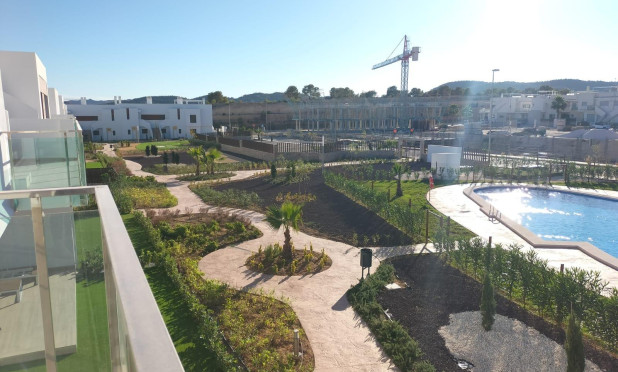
(554, 215)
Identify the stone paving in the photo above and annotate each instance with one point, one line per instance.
(339, 339)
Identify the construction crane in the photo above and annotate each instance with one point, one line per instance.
(405, 62)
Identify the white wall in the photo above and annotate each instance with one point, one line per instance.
(441, 162)
(434, 149)
(23, 78)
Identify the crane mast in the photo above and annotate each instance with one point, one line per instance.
(405, 62)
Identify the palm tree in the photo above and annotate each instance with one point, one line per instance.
(209, 158)
(558, 104)
(196, 153)
(398, 169)
(289, 215)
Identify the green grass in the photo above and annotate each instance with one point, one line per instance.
(176, 315)
(94, 165)
(93, 353)
(164, 145)
(416, 191)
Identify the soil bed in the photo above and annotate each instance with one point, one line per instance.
(304, 262)
(437, 290)
(332, 215)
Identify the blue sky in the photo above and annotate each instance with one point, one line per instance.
(130, 48)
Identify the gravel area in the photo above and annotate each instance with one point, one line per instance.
(509, 346)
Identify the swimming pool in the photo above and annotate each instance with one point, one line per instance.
(559, 216)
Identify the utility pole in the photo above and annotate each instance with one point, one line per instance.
(491, 114)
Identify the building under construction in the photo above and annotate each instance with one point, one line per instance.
(380, 114)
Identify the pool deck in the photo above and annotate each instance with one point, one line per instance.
(453, 202)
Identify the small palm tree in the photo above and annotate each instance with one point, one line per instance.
(398, 169)
(289, 215)
(209, 158)
(196, 153)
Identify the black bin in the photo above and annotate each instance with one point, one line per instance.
(365, 257)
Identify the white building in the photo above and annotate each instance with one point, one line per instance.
(599, 105)
(136, 122)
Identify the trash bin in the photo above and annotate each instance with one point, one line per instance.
(366, 255)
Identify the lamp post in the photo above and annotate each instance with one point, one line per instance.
(491, 115)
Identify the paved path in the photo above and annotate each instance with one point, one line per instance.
(339, 339)
(451, 201)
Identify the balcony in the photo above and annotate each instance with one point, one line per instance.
(73, 296)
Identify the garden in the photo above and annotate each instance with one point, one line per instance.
(227, 329)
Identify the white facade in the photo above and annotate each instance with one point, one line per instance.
(137, 122)
(591, 106)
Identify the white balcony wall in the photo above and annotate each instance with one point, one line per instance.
(24, 78)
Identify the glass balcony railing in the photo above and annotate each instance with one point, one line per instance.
(73, 296)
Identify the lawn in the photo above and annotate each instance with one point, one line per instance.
(94, 165)
(414, 192)
(176, 314)
(165, 145)
(93, 352)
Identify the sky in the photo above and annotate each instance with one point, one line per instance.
(135, 48)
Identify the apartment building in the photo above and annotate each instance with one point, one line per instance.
(598, 105)
(143, 121)
(48, 308)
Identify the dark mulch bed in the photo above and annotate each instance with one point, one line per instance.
(437, 290)
(332, 215)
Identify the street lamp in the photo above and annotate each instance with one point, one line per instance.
(491, 116)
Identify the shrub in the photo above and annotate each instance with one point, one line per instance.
(397, 343)
(488, 303)
(574, 346)
(92, 265)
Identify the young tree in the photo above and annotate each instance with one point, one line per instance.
(175, 158)
(488, 303)
(147, 150)
(289, 215)
(398, 169)
(273, 171)
(196, 153)
(166, 159)
(154, 150)
(574, 345)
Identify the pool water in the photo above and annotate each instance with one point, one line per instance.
(555, 215)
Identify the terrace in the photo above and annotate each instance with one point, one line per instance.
(73, 295)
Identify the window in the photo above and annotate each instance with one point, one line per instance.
(129, 131)
(144, 131)
(112, 114)
(87, 118)
(163, 130)
(574, 106)
(178, 113)
(179, 131)
(45, 105)
(128, 115)
(584, 104)
(193, 118)
(113, 133)
(95, 132)
(153, 117)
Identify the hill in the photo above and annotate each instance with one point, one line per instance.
(571, 84)
(261, 97)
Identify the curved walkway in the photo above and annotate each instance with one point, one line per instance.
(451, 201)
(339, 339)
